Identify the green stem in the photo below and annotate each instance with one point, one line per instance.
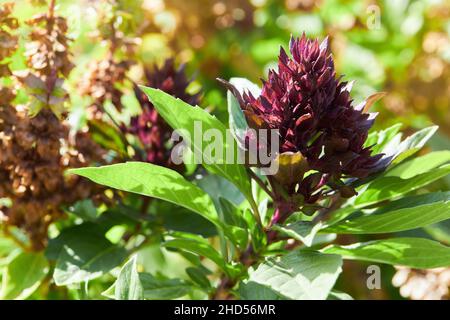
(84, 290)
(260, 182)
(255, 210)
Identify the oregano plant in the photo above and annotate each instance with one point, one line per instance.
(295, 170)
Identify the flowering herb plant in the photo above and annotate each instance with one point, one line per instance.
(278, 235)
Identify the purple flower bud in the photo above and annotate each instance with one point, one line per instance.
(149, 127)
(312, 109)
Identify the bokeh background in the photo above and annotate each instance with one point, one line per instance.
(401, 47)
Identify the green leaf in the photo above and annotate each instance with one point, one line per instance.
(218, 187)
(180, 219)
(340, 214)
(233, 216)
(413, 143)
(23, 275)
(87, 258)
(71, 235)
(85, 209)
(396, 220)
(163, 289)
(419, 165)
(110, 292)
(440, 231)
(337, 295)
(254, 291)
(202, 248)
(237, 122)
(181, 115)
(124, 215)
(414, 201)
(128, 285)
(258, 236)
(386, 188)
(219, 190)
(154, 289)
(412, 252)
(379, 139)
(153, 181)
(198, 276)
(303, 231)
(264, 211)
(6, 246)
(299, 275)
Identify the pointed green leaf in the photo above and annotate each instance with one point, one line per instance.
(181, 219)
(87, 258)
(153, 181)
(219, 187)
(110, 292)
(233, 216)
(128, 285)
(379, 139)
(249, 290)
(202, 248)
(181, 115)
(303, 231)
(439, 232)
(154, 288)
(419, 165)
(387, 188)
(198, 276)
(337, 295)
(6, 246)
(163, 289)
(413, 143)
(23, 275)
(412, 252)
(340, 214)
(407, 202)
(70, 235)
(237, 122)
(299, 275)
(395, 220)
(414, 201)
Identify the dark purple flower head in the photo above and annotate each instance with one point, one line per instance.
(312, 109)
(151, 129)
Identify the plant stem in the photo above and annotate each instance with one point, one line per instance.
(247, 258)
(84, 290)
(255, 210)
(260, 182)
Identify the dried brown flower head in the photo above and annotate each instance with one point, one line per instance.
(49, 60)
(36, 148)
(105, 77)
(34, 152)
(319, 127)
(8, 41)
